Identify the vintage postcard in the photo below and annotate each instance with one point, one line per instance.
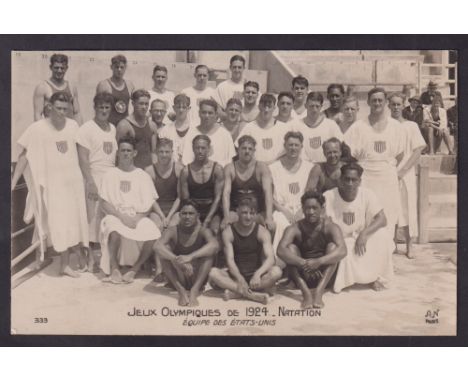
(232, 193)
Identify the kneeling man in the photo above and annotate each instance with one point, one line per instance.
(187, 251)
(362, 220)
(127, 196)
(249, 255)
(312, 248)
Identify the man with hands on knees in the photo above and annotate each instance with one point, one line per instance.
(251, 271)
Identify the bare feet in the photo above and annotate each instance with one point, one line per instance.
(307, 303)
(228, 295)
(318, 301)
(409, 252)
(159, 278)
(193, 301)
(271, 291)
(184, 298)
(116, 277)
(377, 286)
(262, 298)
(67, 271)
(129, 277)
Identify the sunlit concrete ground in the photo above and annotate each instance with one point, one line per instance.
(89, 306)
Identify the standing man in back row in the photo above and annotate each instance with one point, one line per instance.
(159, 90)
(56, 83)
(120, 89)
(233, 87)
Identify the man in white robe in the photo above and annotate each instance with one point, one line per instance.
(127, 196)
(415, 144)
(360, 215)
(49, 151)
(378, 143)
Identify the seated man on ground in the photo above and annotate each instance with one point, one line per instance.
(249, 254)
(359, 214)
(187, 253)
(127, 196)
(312, 249)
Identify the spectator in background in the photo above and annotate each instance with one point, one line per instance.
(428, 96)
(414, 112)
(435, 124)
(452, 118)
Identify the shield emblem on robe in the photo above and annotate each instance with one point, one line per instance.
(348, 218)
(62, 146)
(107, 147)
(380, 146)
(120, 106)
(315, 142)
(294, 188)
(267, 143)
(125, 186)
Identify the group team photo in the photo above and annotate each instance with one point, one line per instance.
(234, 192)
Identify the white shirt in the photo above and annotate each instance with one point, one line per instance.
(228, 89)
(195, 97)
(167, 96)
(169, 131)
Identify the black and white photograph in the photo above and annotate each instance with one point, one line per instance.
(234, 192)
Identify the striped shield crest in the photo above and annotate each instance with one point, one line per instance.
(267, 143)
(125, 186)
(315, 142)
(107, 147)
(348, 218)
(380, 146)
(294, 188)
(62, 146)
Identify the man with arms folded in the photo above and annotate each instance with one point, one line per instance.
(359, 214)
(249, 255)
(127, 197)
(246, 177)
(187, 253)
(312, 248)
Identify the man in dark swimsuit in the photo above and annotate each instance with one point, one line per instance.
(202, 181)
(165, 175)
(325, 175)
(141, 128)
(249, 254)
(187, 252)
(312, 248)
(120, 89)
(248, 177)
(56, 83)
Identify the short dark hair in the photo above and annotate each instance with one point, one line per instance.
(137, 94)
(158, 68)
(248, 201)
(237, 57)
(331, 140)
(103, 97)
(311, 194)
(60, 96)
(300, 80)
(60, 58)
(200, 67)
(120, 58)
(127, 138)
(252, 84)
(247, 138)
(182, 98)
(235, 101)
(164, 142)
(294, 134)
(352, 166)
(286, 94)
(201, 137)
(189, 202)
(267, 98)
(376, 90)
(208, 102)
(315, 96)
(340, 87)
